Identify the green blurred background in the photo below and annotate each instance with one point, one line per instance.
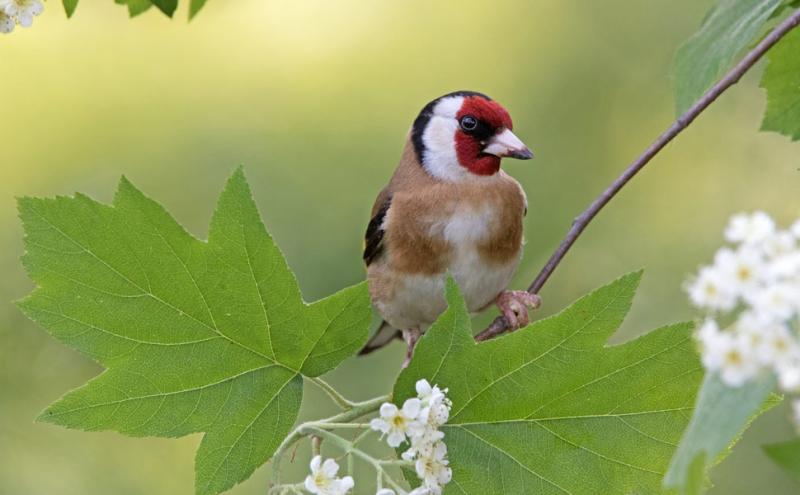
(314, 97)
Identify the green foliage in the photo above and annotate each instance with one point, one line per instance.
(195, 6)
(787, 456)
(136, 7)
(721, 415)
(69, 6)
(782, 82)
(730, 27)
(166, 6)
(551, 408)
(196, 337)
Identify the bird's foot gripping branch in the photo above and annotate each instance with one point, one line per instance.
(214, 338)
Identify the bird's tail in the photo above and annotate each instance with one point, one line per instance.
(385, 334)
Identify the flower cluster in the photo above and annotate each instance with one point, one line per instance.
(755, 283)
(22, 12)
(323, 479)
(418, 422)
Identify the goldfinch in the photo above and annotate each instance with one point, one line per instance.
(448, 208)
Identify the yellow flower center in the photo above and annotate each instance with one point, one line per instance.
(321, 480)
(744, 273)
(734, 357)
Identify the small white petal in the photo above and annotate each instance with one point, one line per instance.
(330, 468)
(7, 24)
(25, 19)
(310, 485)
(424, 388)
(36, 7)
(395, 438)
(315, 463)
(445, 475)
(378, 424)
(388, 410)
(789, 378)
(795, 229)
(420, 468)
(411, 408)
(385, 491)
(347, 483)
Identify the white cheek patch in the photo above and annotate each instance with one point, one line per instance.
(440, 158)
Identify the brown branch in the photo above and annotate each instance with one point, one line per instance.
(500, 325)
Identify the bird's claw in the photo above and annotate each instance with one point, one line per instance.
(514, 305)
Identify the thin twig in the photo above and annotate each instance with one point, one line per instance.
(500, 325)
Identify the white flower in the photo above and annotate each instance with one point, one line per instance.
(779, 348)
(789, 376)
(708, 332)
(786, 267)
(433, 469)
(777, 302)
(22, 10)
(710, 290)
(396, 423)
(795, 229)
(435, 405)
(779, 243)
(323, 480)
(418, 422)
(385, 491)
(740, 270)
(749, 229)
(732, 357)
(427, 393)
(7, 23)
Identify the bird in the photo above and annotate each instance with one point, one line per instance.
(448, 209)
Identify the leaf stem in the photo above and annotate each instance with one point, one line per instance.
(334, 394)
(343, 426)
(500, 325)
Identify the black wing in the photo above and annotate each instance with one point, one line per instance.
(373, 240)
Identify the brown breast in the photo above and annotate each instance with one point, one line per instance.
(419, 203)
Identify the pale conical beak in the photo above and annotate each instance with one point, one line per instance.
(506, 144)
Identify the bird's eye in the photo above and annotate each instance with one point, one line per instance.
(469, 123)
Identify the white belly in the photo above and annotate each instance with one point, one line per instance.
(417, 300)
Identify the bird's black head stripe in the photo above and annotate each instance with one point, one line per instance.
(421, 122)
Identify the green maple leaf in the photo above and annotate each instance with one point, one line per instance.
(196, 337)
(728, 29)
(782, 82)
(550, 409)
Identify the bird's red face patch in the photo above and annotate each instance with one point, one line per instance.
(490, 117)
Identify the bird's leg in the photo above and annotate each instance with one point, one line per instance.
(410, 336)
(514, 305)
